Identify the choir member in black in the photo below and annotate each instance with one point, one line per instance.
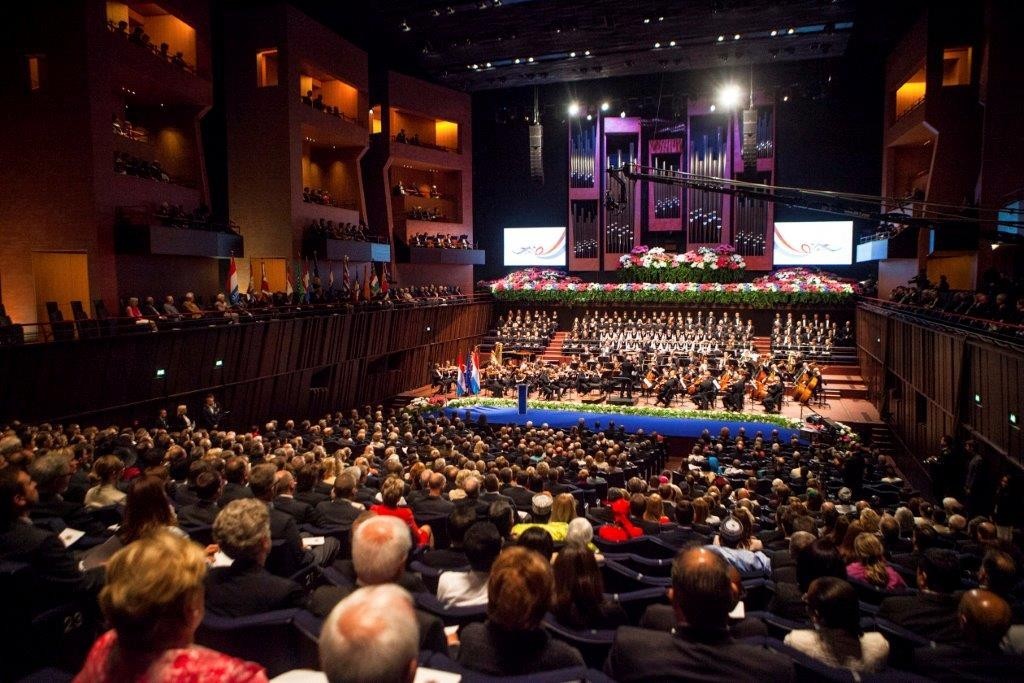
(436, 378)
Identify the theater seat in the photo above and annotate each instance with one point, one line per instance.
(451, 616)
(431, 575)
(593, 644)
(269, 639)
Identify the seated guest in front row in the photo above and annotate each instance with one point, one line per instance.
(153, 601)
(701, 646)
(512, 642)
(242, 530)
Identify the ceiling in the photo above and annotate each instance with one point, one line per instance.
(487, 44)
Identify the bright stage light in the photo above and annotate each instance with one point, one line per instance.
(605, 106)
(574, 109)
(729, 96)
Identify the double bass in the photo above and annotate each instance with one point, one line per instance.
(804, 387)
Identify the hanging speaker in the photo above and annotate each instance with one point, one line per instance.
(749, 149)
(536, 153)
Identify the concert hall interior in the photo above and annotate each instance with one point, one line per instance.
(684, 328)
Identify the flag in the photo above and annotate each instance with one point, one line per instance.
(288, 290)
(374, 282)
(367, 292)
(304, 292)
(264, 282)
(330, 277)
(460, 381)
(384, 286)
(346, 282)
(473, 372)
(300, 290)
(232, 282)
(316, 266)
(249, 288)
(355, 291)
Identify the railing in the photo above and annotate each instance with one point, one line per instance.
(420, 143)
(19, 334)
(965, 323)
(144, 215)
(330, 110)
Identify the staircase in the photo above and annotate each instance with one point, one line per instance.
(553, 353)
(911, 469)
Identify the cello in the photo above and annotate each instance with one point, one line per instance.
(804, 387)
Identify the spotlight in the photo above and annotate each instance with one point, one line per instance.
(586, 53)
(218, 363)
(736, 37)
(488, 65)
(574, 109)
(605, 106)
(435, 12)
(721, 38)
(661, 18)
(785, 98)
(657, 45)
(791, 31)
(647, 20)
(622, 114)
(712, 108)
(404, 26)
(517, 60)
(449, 10)
(672, 43)
(729, 96)
(160, 372)
(530, 60)
(774, 33)
(572, 54)
(590, 117)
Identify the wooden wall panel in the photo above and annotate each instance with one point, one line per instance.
(268, 368)
(947, 369)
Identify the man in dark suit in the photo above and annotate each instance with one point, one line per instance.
(285, 501)
(380, 546)
(205, 509)
(434, 504)
(292, 556)
(242, 530)
(626, 372)
(342, 509)
(459, 521)
(521, 496)
(236, 475)
(306, 479)
(983, 619)
(932, 613)
(54, 570)
(490, 495)
(663, 618)
(210, 415)
(701, 645)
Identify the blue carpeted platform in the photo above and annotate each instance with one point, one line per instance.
(564, 419)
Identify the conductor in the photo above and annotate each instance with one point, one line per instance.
(626, 372)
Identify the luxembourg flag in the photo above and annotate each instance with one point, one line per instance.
(460, 381)
(472, 373)
(233, 282)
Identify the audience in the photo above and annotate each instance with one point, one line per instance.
(482, 543)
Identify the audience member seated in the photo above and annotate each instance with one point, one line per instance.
(209, 486)
(460, 519)
(328, 229)
(147, 510)
(932, 612)
(837, 638)
(701, 645)
(511, 642)
(747, 562)
(153, 602)
(342, 509)
(439, 241)
(129, 164)
(482, 544)
(106, 471)
(54, 569)
(391, 492)
(243, 587)
(369, 636)
(982, 619)
(138, 36)
(579, 601)
(870, 566)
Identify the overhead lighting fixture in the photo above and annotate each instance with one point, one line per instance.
(622, 114)
(661, 18)
(672, 43)
(586, 53)
(590, 117)
(605, 106)
(712, 108)
(488, 65)
(785, 98)
(574, 109)
(647, 20)
(160, 372)
(404, 26)
(729, 95)
(435, 12)
(774, 33)
(530, 60)
(791, 31)
(572, 54)
(657, 45)
(736, 37)
(517, 60)
(721, 38)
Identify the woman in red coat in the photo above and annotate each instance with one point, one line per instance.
(391, 493)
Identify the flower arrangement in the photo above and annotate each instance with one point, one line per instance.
(647, 411)
(530, 276)
(795, 286)
(422, 403)
(704, 264)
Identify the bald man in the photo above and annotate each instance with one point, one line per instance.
(701, 645)
(983, 618)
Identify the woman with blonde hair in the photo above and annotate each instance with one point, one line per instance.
(870, 566)
(869, 520)
(655, 510)
(153, 601)
(147, 510)
(106, 472)
(391, 492)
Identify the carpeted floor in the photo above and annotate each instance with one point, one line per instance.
(563, 419)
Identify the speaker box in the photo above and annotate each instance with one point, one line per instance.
(617, 401)
(537, 153)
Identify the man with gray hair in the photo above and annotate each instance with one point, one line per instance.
(52, 474)
(242, 531)
(369, 637)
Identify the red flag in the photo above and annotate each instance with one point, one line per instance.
(367, 292)
(264, 282)
(384, 286)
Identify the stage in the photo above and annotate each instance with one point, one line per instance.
(681, 426)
